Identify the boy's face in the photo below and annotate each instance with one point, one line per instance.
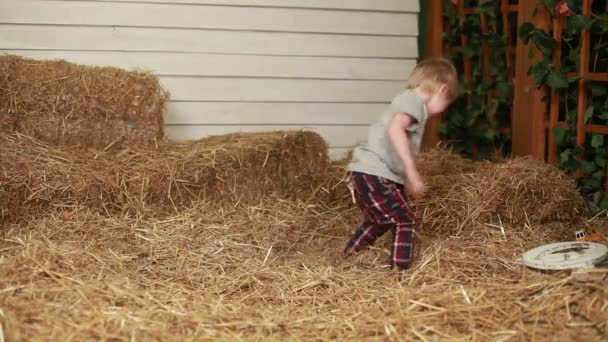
(438, 102)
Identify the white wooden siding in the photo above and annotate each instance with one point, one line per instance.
(367, 5)
(200, 64)
(237, 65)
(210, 17)
(204, 41)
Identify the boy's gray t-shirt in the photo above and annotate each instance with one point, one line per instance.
(378, 157)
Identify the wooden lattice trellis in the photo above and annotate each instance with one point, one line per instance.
(585, 76)
(506, 9)
(533, 117)
(438, 46)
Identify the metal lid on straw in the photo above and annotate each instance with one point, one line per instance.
(566, 255)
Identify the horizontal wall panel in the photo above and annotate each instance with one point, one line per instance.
(279, 90)
(248, 113)
(371, 5)
(194, 64)
(33, 37)
(93, 13)
(336, 136)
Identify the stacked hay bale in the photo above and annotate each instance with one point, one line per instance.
(71, 110)
(36, 178)
(63, 103)
(517, 194)
(231, 169)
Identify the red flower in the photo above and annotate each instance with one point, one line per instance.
(563, 9)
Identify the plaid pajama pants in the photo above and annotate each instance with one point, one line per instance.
(384, 205)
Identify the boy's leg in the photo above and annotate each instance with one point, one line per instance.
(365, 236)
(402, 252)
(385, 207)
(372, 196)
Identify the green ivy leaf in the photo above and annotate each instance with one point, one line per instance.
(603, 205)
(575, 56)
(557, 80)
(603, 115)
(598, 175)
(474, 115)
(503, 87)
(588, 167)
(597, 140)
(568, 161)
(539, 70)
(578, 22)
(592, 183)
(544, 42)
(490, 134)
(525, 31)
(589, 114)
(600, 160)
(572, 117)
(560, 134)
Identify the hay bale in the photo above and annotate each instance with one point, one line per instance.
(35, 178)
(517, 193)
(528, 190)
(229, 169)
(69, 104)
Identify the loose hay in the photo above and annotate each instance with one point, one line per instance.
(226, 169)
(63, 103)
(268, 272)
(268, 267)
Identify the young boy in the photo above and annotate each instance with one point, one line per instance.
(382, 166)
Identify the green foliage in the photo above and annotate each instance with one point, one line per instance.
(477, 122)
(592, 157)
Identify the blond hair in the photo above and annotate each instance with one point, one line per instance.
(433, 73)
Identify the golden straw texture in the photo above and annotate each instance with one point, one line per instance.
(64, 103)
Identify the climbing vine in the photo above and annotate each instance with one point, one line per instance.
(592, 159)
(478, 124)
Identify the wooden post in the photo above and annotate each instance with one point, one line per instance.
(529, 109)
(583, 97)
(434, 48)
(553, 152)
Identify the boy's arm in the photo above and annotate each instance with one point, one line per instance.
(397, 131)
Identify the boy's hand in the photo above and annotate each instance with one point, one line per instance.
(415, 185)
